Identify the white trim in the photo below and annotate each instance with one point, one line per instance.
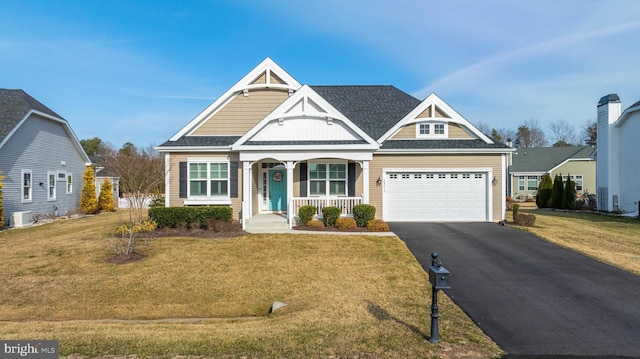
(282, 112)
(68, 182)
(444, 150)
(55, 185)
(431, 123)
(304, 155)
(267, 65)
(167, 179)
(206, 199)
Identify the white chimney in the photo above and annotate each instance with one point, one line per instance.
(608, 185)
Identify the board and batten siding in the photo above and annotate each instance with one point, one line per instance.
(419, 161)
(41, 146)
(174, 176)
(242, 113)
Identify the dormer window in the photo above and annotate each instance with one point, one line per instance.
(431, 130)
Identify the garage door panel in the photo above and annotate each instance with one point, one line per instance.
(415, 196)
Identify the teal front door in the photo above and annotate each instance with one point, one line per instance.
(277, 190)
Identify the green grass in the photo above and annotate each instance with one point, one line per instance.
(348, 296)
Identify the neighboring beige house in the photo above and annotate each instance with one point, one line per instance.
(270, 145)
(529, 164)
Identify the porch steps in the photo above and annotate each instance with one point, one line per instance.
(267, 223)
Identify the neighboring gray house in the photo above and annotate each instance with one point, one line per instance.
(529, 164)
(618, 156)
(41, 159)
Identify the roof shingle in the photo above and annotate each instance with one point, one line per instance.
(14, 105)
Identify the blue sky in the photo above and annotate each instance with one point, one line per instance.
(138, 71)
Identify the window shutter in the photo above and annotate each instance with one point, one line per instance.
(351, 179)
(183, 180)
(303, 179)
(233, 179)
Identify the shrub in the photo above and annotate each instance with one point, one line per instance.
(88, 200)
(315, 223)
(557, 193)
(524, 219)
(544, 191)
(105, 199)
(346, 223)
(515, 209)
(189, 216)
(569, 194)
(306, 213)
(378, 225)
(363, 213)
(331, 214)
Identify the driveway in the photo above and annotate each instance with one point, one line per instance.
(532, 297)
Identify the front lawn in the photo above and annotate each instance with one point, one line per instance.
(348, 296)
(610, 239)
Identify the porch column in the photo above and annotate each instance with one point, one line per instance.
(290, 166)
(246, 192)
(365, 181)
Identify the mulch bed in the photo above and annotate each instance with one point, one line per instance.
(330, 229)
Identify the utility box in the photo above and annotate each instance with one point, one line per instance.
(439, 277)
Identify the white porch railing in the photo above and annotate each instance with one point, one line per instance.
(346, 203)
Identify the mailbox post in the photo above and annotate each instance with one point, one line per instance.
(440, 278)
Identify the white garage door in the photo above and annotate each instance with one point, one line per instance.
(435, 197)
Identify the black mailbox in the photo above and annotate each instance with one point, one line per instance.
(439, 276)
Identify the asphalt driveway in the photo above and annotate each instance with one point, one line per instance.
(532, 297)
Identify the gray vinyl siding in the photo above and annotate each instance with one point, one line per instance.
(40, 145)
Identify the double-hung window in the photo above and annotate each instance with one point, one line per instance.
(328, 179)
(521, 183)
(209, 179)
(69, 183)
(27, 186)
(51, 186)
(532, 183)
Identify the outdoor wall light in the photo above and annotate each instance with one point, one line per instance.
(378, 181)
(41, 184)
(494, 180)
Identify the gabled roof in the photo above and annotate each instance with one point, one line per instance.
(375, 109)
(627, 112)
(16, 106)
(546, 159)
(266, 68)
(305, 103)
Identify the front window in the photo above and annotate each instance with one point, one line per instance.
(521, 183)
(578, 181)
(208, 179)
(532, 183)
(51, 188)
(328, 179)
(27, 186)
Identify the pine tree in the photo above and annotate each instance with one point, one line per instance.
(557, 193)
(88, 200)
(105, 199)
(544, 191)
(1, 207)
(569, 194)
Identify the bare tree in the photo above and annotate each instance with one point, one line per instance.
(503, 135)
(483, 127)
(563, 133)
(590, 133)
(529, 134)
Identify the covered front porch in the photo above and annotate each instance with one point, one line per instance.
(279, 184)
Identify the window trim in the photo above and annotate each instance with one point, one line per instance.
(208, 180)
(328, 179)
(22, 186)
(69, 183)
(431, 129)
(52, 185)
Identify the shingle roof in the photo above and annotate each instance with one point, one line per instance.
(202, 141)
(14, 105)
(542, 159)
(375, 109)
(438, 144)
